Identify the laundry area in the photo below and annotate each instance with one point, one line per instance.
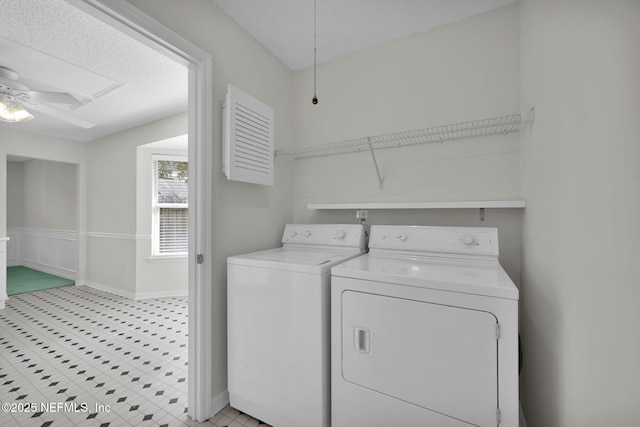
(439, 229)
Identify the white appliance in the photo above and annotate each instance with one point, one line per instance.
(425, 331)
(279, 324)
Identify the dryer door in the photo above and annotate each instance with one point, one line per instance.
(441, 358)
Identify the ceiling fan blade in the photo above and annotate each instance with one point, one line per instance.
(49, 97)
(58, 114)
(8, 73)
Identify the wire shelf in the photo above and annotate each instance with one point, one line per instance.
(450, 132)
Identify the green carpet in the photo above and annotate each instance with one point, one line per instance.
(21, 280)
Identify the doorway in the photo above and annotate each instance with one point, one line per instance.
(123, 16)
(41, 220)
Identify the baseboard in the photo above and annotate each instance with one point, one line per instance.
(132, 295)
(105, 288)
(67, 274)
(162, 294)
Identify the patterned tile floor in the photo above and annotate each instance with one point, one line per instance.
(76, 356)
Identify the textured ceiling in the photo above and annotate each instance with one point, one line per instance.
(285, 27)
(123, 83)
(56, 47)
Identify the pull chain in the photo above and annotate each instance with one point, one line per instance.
(314, 101)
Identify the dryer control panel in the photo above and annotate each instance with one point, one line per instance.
(476, 241)
(342, 235)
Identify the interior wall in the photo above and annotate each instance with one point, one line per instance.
(463, 71)
(14, 194)
(49, 195)
(580, 175)
(112, 236)
(246, 217)
(47, 237)
(459, 72)
(24, 144)
(13, 141)
(166, 276)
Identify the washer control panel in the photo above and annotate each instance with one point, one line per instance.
(447, 240)
(347, 235)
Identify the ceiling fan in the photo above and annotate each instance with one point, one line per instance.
(14, 97)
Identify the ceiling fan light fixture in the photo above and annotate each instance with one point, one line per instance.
(12, 112)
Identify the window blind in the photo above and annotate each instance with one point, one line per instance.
(171, 209)
(174, 230)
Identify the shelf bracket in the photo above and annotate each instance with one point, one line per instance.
(375, 162)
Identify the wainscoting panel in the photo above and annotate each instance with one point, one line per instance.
(67, 255)
(51, 251)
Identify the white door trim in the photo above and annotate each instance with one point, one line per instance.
(123, 16)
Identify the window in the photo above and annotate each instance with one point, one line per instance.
(170, 205)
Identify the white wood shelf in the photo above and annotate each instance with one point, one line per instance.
(471, 204)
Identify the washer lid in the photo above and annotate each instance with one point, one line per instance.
(306, 257)
(307, 260)
(486, 278)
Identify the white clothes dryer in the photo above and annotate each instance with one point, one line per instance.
(279, 324)
(425, 331)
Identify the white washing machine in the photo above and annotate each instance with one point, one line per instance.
(425, 331)
(279, 324)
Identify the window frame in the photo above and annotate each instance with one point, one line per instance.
(156, 206)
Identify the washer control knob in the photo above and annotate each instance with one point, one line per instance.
(468, 239)
(383, 237)
(307, 233)
(293, 233)
(402, 237)
(340, 235)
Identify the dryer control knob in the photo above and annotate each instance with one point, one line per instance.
(468, 239)
(340, 235)
(307, 233)
(293, 233)
(402, 237)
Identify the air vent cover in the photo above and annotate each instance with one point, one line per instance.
(247, 147)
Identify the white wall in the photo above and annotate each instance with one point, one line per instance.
(459, 72)
(580, 176)
(246, 217)
(44, 236)
(14, 194)
(115, 240)
(49, 195)
(15, 142)
(99, 180)
(154, 276)
(14, 213)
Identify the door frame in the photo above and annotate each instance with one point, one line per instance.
(125, 17)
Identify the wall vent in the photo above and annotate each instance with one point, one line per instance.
(248, 143)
